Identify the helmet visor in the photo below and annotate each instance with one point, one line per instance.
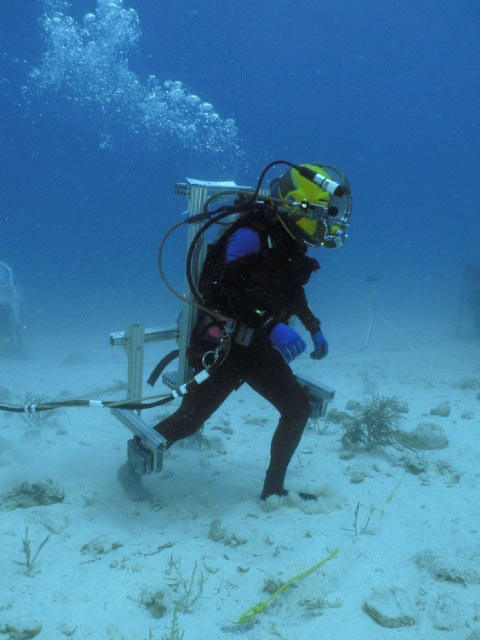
(323, 224)
(322, 218)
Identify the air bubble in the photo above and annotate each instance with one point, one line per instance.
(193, 100)
(87, 64)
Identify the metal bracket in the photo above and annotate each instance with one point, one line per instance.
(145, 451)
(318, 394)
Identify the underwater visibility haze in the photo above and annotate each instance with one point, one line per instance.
(105, 106)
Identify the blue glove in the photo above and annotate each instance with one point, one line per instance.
(287, 341)
(320, 344)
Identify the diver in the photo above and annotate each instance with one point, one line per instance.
(255, 273)
(472, 289)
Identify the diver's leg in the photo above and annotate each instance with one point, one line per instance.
(196, 407)
(274, 380)
(200, 403)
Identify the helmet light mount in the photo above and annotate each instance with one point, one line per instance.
(325, 184)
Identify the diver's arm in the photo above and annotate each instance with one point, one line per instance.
(311, 324)
(243, 242)
(302, 310)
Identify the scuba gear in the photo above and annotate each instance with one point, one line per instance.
(244, 204)
(270, 280)
(339, 201)
(311, 210)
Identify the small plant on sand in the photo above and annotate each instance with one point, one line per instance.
(187, 590)
(52, 417)
(175, 633)
(29, 558)
(374, 423)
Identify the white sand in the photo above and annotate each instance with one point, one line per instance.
(102, 590)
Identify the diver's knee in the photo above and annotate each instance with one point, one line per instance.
(304, 411)
(298, 411)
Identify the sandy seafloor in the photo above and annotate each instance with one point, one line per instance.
(112, 569)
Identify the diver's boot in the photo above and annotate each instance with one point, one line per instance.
(131, 482)
(274, 489)
(266, 493)
(273, 485)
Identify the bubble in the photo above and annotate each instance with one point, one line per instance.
(85, 68)
(152, 81)
(192, 100)
(109, 3)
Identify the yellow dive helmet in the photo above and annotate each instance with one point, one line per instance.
(316, 209)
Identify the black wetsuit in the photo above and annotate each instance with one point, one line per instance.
(259, 290)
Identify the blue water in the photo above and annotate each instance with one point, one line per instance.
(105, 105)
(92, 142)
